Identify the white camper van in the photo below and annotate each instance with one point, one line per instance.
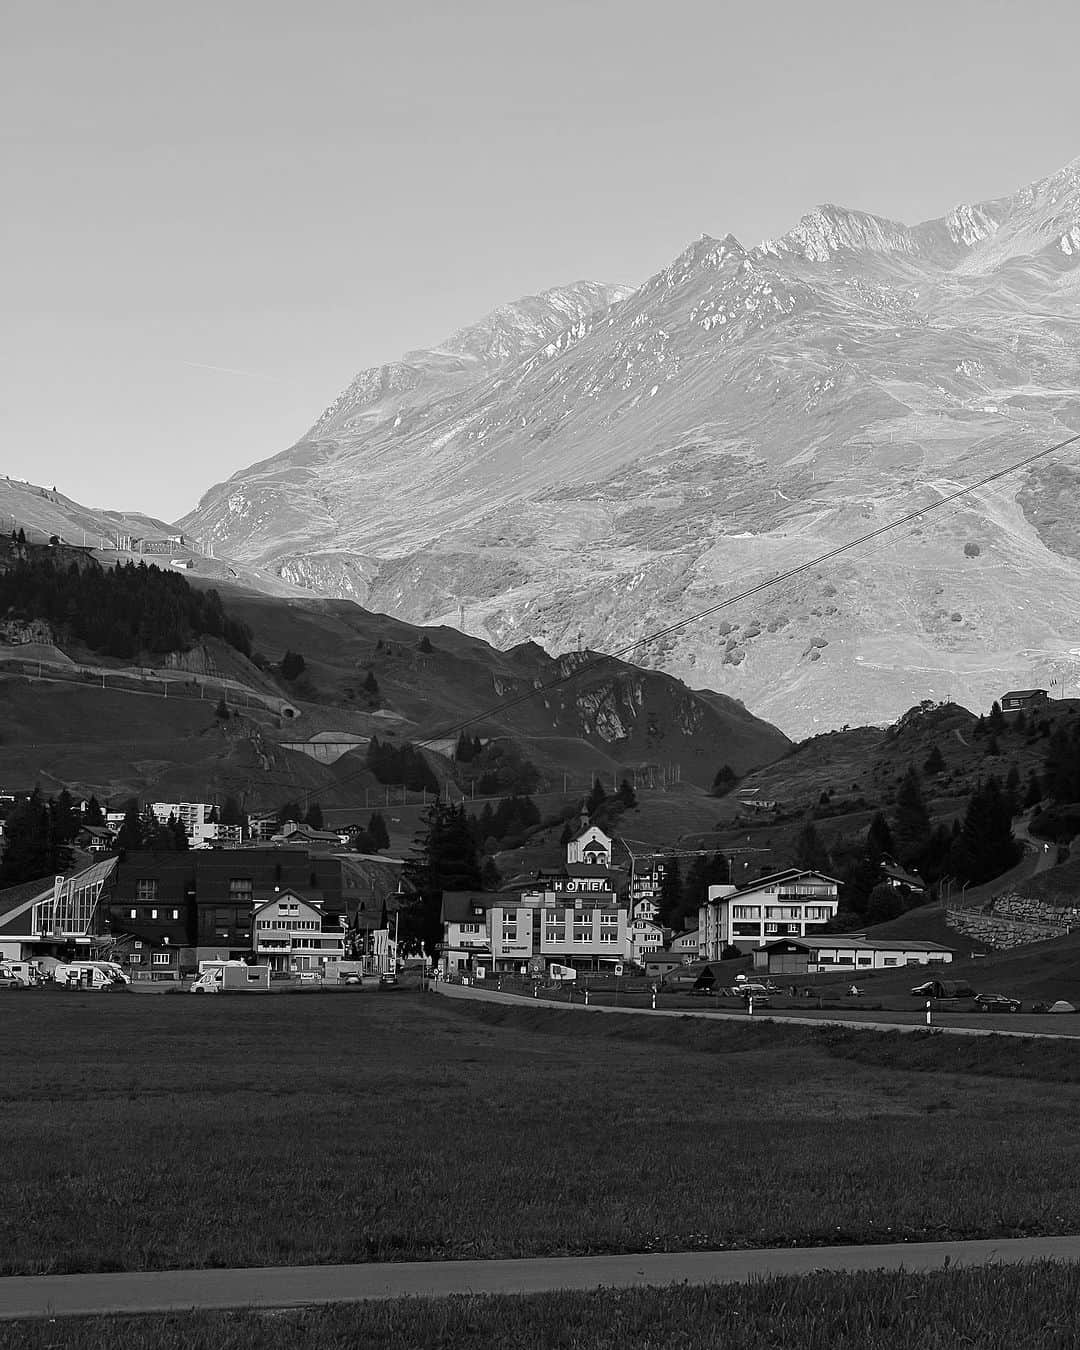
(233, 977)
(82, 975)
(25, 972)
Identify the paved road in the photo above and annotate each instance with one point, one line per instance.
(863, 1021)
(299, 1286)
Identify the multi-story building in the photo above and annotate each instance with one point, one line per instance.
(201, 830)
(171, 910)
(572, 917)
(646, 885)
(465, 929)
(785, 904)
(646, 937)
(292, 934)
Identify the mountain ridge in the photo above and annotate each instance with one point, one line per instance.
(741, 411)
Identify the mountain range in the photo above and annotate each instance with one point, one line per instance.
(594, 464)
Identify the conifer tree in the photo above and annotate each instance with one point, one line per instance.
(380, 835)
(911, 824)
(30, 847)
(810, 852)
(444, 859)
(130, 836)
(935, 761)
(671, 892)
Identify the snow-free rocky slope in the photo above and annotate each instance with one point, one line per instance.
(591, 465)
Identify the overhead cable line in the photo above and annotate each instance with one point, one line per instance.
(604, 658)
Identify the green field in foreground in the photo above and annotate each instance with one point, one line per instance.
(140, 1133)
(1000, 1308)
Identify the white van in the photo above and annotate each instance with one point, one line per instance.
(25, 972)
(232, 976)
(82, 974)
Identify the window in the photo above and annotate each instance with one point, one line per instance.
(146, 889)
(176, 913)
(160, 959)
(136, 959)
(153, 913)
(746, 912)
(553, 934)
(133, 913)
(241, 888)
(772, 928)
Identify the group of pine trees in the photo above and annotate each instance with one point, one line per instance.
(974, 849)
(683, 889)
(603, 809)
(401, 764)
(495, 767)
(505, 824)
(119, 611)
(38, 833)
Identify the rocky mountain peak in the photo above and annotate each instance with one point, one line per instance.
(589, 463)
(829, 230)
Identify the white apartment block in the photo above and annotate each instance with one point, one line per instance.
(195, 818)
(785, 904)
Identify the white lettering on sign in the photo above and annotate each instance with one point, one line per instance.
(593, 885)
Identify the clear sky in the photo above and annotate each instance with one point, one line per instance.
(216, 212)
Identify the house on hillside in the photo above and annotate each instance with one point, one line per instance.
(1026, 700)
(296, 833)
(898, 879)
(783, 904)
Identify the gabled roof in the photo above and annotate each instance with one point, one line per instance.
(839, 942)
(908, 878)
(788, 874)
(288, 894)
(460, 906)
(1023, 693)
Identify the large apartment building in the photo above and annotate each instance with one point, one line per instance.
(195, 817)
(792, 903)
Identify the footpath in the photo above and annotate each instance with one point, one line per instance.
(32, 1296)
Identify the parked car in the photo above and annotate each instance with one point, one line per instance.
(944, 989)
(997, 1003)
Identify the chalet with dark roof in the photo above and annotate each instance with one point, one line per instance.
(1023, 700)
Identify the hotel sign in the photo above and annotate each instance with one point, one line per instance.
(579, 885)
